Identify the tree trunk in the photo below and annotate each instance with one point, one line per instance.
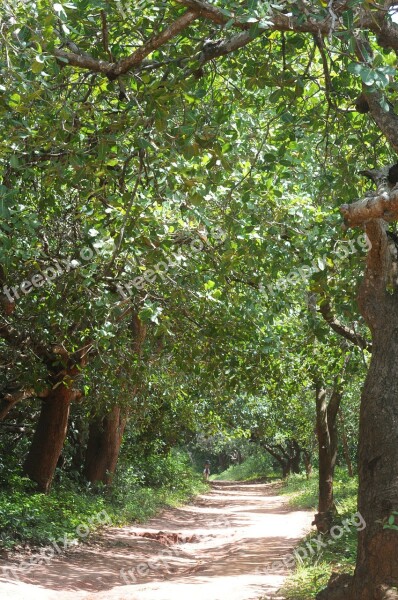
(106, 433)
(307, 463)
(286, 467)
(346, 449)
(377, 561)
(326, 428)
(281, 457)
(223, 461)
(49, 437)
(295, 457)
(104, 441)
(376, 573)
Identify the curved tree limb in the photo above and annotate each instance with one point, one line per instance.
(383, 206)
(114, 70)
(326, 311)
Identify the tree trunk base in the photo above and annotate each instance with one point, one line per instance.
(105, 439)
(339, 588)
(344, 587)
(323, 521)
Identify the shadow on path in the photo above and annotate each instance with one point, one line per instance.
(222, 546)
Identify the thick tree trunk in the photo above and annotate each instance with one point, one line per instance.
(376, 573)
(106, 433)
(377, 562)
(326, 428)
(49, 437)
(104, 441)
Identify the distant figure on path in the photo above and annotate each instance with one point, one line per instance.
(206, 471)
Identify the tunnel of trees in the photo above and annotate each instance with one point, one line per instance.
(189, 241)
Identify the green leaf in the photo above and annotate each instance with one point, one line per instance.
(37, 66)
(348, 18)
(14, 162)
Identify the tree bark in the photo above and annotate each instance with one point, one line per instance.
(106, 433)
(346, 449)
(295, 457)
(326, 428)
(49, 437)
(307, 463)
(105, 439)
(377, 564)
(286, 467)
(376, 573)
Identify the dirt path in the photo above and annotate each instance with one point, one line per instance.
(221, 547)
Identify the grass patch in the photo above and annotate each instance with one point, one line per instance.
(313, 571)
(254, 467)
(303, 492)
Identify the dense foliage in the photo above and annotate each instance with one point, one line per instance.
(172, 262)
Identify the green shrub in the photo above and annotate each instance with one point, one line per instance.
(27, 517)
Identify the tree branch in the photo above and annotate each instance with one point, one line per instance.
(386, 120)
(334, 405)
(383, 206)
(8, 401)
(114, 70)
(280, 21)
(326, 311)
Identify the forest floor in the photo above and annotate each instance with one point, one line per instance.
(224, 545)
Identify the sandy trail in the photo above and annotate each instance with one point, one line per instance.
(220, 547)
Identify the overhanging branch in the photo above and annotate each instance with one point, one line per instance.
(83, 60)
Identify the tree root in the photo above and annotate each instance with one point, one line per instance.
(339, 588)
(342, 587)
